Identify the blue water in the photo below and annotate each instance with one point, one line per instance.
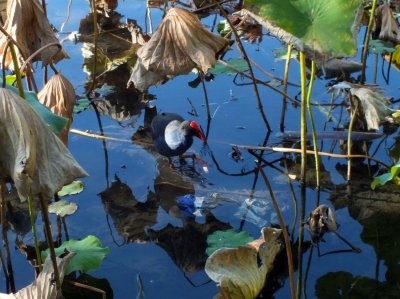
(155, 185)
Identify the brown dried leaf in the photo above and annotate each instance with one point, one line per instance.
(180, 43)
(59, 96)
(386, 25)
(30, 154)
(28, 25)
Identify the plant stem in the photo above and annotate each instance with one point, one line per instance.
(303, 121)
(285, 82)
(49, 238)
(314, 135)
(33, 226)
(10, 271)
(366, 42)
(350, 142)
(16, 70)
(244, 54)
(285, 233)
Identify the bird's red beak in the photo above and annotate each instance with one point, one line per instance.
(198, 131)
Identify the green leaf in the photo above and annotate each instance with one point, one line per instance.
(228, 238)
(63, 208)
(10, 79)
(89, 254)
(324, 25)
(238, 63)
(74, 188)
(56, 123)
(378, 46)
(81, 105)
(386, 177)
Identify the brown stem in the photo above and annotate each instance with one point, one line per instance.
(288, 245)
(4, 61)
(205, 96)
(57, 44)
(88, 287)
(243, 52)
(49, 238)
(10, 271)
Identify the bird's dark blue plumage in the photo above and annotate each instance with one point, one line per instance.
(172, 135)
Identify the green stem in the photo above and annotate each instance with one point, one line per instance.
(350, 142)
(285, 83)
(303, 121)
(366, 42)
(33, 226)
(16, 70)
(314, 135)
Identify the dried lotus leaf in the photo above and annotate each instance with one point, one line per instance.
(28, 25)
(30, 154)
(59, 96)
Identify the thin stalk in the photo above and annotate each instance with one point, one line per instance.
(33, 226)
(314, 135)
(303, 121)
(10, 271)
(50, 243)
(244, 54)
(16, 70)
(300, 244)
(205, 96)
(95, 37)
(366, 42)
(285, 82)
(3, 267)
(288, 245)
(350, 142)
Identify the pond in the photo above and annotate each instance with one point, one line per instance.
(130, 198)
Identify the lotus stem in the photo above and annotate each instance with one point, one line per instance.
(303, 121)
(300, 242)
(95, 37)
(33, 55)
(366, 42)
(308, 152)
(285, 82)
(350, 142)
(10, 271)
(49, 239)
(34, 232)
(244, 54)
(314, 135)
(205, 96)
(16, 70)
(288, 245)
(3, 70)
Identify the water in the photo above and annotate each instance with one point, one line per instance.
(129, 201)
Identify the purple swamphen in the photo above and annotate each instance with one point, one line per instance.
(172, 135)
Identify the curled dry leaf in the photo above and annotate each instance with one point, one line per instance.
(241, 272)
(59, 96)
(374, 106)
(180, 43)
(41, 287)
(30, 154)
(27, 24)
(321, 220)
(386, 25)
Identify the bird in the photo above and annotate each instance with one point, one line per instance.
(173, 135)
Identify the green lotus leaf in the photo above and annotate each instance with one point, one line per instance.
(377, 46)
(323, 25)
(89, 254)
(241, 272)
(63, 208)
(74, 188)
(386, 177)
(228, 238)
(238, 63)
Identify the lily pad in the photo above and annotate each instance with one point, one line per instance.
(228, 238)
(74, 188)
(241, 272)
(238, 63)
(377, 46)
(386, 177)
(281, 53)
(323, 25)
(89, 254)
(63, 208)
